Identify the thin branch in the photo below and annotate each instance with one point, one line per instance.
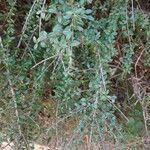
(25, 24)
(40, 19)
(42, 61)
(135, 66)
(133, 19)
(11, 89)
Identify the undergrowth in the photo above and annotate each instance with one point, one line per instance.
(83, 65)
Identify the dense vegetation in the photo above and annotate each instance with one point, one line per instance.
(75, 74)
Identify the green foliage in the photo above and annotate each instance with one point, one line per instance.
(72, 58)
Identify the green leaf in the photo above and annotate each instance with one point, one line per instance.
(69, 13)
(60, 19)
(75, 43)
(82, 2)
(57, 28)
(67, 32)
(42, 36)
(90, 18)
(88, 11)
(61, 1)
(43, 44)
(79, 11)
(35, 46)
(66, 22)
(66, 17)
(43, 15)
(52, 9)
(34, 39)
(79, 28)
